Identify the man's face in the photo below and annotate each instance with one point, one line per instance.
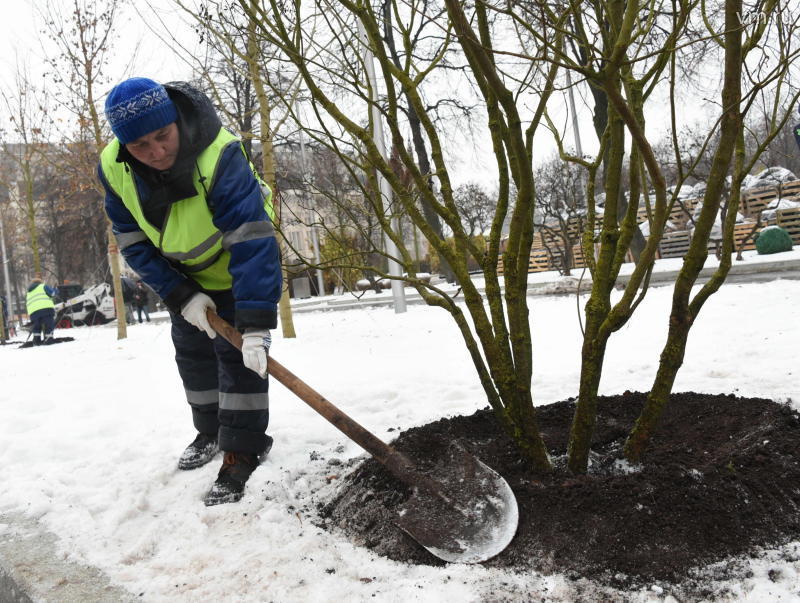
(158, 149)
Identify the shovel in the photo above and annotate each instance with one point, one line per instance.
(466, 514)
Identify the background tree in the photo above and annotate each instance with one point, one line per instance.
(82, 34)
(475, 207)
(560, 210)
(244, 58)
(25, 143)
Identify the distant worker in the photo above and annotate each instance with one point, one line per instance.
(41, 311)
(140, 301)
(193, 219)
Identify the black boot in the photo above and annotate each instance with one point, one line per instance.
(198, 453)
(236, 470)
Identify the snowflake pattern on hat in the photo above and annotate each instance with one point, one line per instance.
(137, 106)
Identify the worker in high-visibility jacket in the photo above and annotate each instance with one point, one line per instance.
(41, 311)
(193, 219)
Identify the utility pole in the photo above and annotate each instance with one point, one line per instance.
(314, 233)
(398, 292)
(575, 131)
(9, 300)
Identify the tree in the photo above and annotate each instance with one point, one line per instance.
(82, 38)
(234, 36)
(475, 207)
(771, 66)
(24, 147)
(561, 210)
(501, 353)
(630, 50)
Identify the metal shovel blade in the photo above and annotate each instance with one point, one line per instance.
(475, 524)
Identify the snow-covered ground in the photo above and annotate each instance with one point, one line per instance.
(92, 430)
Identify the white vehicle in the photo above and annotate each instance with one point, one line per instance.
(94, 306)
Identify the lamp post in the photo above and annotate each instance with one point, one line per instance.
(398, 292)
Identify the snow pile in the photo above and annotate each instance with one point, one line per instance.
(698, 190)
(670, 226)
(685, 192)
(769, 177)
(771, 210)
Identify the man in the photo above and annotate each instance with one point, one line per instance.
(139, 298)
(192, 218)
(41, 311)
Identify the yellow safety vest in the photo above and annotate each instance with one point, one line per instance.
(189, 236)
(38, 299)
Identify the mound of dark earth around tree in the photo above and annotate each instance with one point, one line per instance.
(721, 479)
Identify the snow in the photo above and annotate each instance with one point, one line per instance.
(768, 177)
(685, 192)
(644, 227)
(92, 431)
(771, 210)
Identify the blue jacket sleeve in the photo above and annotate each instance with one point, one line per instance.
(153, 268)
(249, 236)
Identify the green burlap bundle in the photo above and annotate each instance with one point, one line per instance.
(773, 240)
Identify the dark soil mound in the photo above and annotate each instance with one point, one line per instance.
(721, 478)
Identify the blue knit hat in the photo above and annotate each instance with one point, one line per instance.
(137, 107)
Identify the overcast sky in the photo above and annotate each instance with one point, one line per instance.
(20, 43)
(137, 50)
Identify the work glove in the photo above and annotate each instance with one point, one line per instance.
(255, 348)
(194, 311)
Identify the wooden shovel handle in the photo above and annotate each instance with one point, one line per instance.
(396, 462)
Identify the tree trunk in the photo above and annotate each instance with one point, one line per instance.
(684, 312)
(598, 306)
(583, 422)
(119, 301)
(268, 158)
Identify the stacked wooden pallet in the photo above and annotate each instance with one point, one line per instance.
(755, 200)
(547, 244)
(740, 232)
(675, 244)
(679, 216)
(577, 256)
(789, 219)
(539, 261)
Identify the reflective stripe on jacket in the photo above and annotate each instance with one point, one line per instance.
(189, 237)
(38, 299)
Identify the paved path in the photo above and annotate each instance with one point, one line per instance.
(32, 571)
